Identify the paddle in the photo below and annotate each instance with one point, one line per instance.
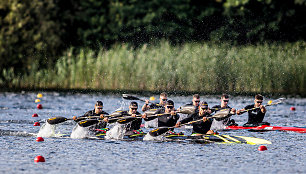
(57, 120)
(161, 130)
(121, 120)
(277, 101)
(131, 97)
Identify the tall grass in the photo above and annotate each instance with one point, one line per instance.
(193, 67)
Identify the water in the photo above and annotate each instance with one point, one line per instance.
(286, 154)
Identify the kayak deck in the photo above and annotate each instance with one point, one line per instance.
(269, 128)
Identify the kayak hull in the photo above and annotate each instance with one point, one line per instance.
(268, 128)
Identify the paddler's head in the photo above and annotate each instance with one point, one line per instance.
(163, 97)
(133, 107)
(224, 100)
(203, 106)
(196, 100)
(98, 107)
(169, 106)
(258, 100)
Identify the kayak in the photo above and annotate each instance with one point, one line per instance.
(268, 128)
(197, 138)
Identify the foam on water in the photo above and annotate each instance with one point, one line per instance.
(80, 132)
(149, 137)
(217, 125)
(117, 132)
(47, 130)
(151, 124)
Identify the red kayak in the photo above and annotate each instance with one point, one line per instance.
(269, 128)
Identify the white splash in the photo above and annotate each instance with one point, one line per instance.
(217, 125)
(151, 124)
(117, 132)
(149, 137)
(47, 130)
(80, 132)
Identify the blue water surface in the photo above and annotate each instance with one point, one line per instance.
(286, 154)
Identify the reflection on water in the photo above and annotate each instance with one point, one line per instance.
(286, 154)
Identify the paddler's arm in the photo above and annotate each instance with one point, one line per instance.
(146, 106)
(185, 120)
(263, 109)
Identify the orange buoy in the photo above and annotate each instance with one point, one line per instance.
(38, 139)
(37, 100)
(292, 108)
(39, 159)
(262, 148)
(39, 106)
(35, 115)
(36, 124)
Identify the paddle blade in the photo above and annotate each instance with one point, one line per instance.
(154, 111)
(187, 109)
(158, 131)
(129, 97)
(224, 113)
(87, 123)
(56, 120)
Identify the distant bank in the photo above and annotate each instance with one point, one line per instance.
(193, 67)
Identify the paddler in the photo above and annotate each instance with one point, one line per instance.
(97, 111)
(169, 119)
(163, 97)
(154, 108)
(256, 112)
(133, 126)
(203, 126)
(224, 105)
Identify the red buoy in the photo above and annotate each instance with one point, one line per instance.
(292, 108)
(39, 159)
(36, 124)
(39, 106)
(35, 115)
(262, 148)
(38, 139)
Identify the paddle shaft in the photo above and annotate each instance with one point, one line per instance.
(242, 112)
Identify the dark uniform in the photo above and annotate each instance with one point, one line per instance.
(101, 124)
(165, 120)
(132, 125)
(226, 121)
(255, 117)
(200, 126)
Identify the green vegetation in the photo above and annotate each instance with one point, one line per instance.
(189, 45)
(191, 67)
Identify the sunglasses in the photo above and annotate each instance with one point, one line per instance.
(197, 101)
(258, 101)
(164, 99)
(134, 108)
(169, 107)
(99, 108)
(225, 100)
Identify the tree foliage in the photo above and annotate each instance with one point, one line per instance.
(39, 31)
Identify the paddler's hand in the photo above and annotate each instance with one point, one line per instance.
(102, 116)
(178, 124)
(238, 112)
(208, 111)
(133, 115)
(172, 113)
(205, 119)
(74, 118)
(144, 116)
(262, 108)
(105, 119)
(233, 111)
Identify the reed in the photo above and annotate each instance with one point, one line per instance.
(193, 67)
